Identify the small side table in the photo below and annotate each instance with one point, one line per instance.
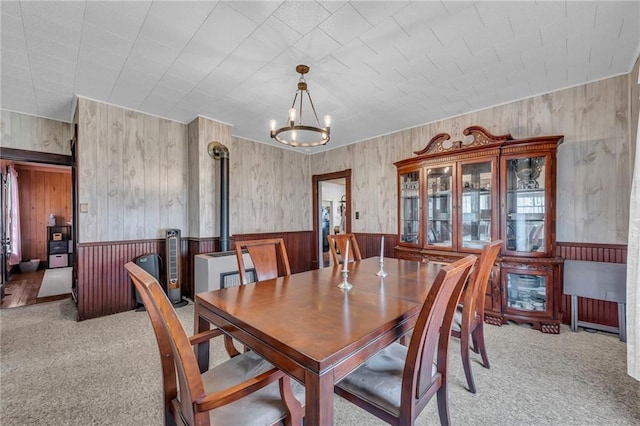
(601, 281)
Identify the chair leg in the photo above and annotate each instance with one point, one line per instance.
(294, 408)
(169, 420)
(443, 405)
(466, 362)
(478, 344)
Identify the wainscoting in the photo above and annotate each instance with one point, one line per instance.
(104, 287)
(299, 247)
(370, 244)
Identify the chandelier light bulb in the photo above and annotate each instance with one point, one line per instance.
(294, 134)
(273, 124)
(327, 121)
(292, 115)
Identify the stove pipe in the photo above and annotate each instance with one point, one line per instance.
(218, 151)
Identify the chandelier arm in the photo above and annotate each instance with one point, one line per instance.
(293, 104)
(312, 107)
(301, 102)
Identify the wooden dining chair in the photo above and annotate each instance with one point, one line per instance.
(398, 382)
(266, 255)
(468, 320)
(338, 243)
(239, 391)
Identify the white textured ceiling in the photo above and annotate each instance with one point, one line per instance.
(376, 66)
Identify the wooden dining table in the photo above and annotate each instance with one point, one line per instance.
(314, 331)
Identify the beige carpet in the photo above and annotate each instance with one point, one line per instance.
(106, 371)
(56, 281)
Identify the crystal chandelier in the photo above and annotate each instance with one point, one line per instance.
(296, 133)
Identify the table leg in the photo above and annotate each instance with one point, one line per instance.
(318, 399)
(201, 350)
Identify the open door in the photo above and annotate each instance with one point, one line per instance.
(74, 214)
(343, 203)
(40, 158)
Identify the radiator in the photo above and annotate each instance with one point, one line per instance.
(214, 271)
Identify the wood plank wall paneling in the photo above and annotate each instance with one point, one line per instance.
(298, 244)
(591, 310)
(41, 191)
(370, 244)
(104, 287)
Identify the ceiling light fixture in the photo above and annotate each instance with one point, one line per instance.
(298, 134)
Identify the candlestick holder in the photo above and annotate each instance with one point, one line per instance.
(381, 272)
(345, 285)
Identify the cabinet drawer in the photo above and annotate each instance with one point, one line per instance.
(58, 247)
(58, 260)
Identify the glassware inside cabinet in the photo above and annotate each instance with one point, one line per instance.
(527, 292)
(439, 211)
(525, 203)
(476, 204)
(410, 207)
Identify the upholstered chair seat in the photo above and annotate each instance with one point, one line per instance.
(379, 380)
(457, 319)
(263, 407)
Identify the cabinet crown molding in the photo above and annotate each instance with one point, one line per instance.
(480, 138)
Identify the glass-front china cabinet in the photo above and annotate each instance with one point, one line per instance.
(456, 196)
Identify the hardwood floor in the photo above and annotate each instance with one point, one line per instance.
(22, 289)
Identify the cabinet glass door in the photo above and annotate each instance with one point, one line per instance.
(527, 291)
(476, 208)
(526, 205)
(410, 208)
(439, 211)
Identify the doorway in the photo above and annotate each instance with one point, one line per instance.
(331, 212)
(44, 188)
